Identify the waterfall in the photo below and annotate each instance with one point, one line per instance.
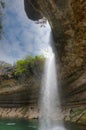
(50, 102)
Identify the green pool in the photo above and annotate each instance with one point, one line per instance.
(6, 124)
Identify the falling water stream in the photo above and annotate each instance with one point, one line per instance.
(50, 102)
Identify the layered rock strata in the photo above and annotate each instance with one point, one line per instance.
(68, 24)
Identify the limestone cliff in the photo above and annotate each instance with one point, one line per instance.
(19, 93)
(68, 23)
(67, 19)
(19, 90)
(20, 86)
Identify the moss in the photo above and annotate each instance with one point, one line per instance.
(78, 111)
(78, 115)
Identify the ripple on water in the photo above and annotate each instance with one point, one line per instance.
(32, 126)
(11, 124)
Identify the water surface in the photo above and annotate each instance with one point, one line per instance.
(6, 124)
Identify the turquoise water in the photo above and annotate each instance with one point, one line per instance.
(31, 125)
(18, 125)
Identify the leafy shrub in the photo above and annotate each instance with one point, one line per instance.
(28, 64)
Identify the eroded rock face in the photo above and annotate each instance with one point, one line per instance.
(67, 19)
(68, 23)
(27, 112)
(19, 90)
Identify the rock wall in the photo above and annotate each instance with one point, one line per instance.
(68, 23)
(19, 99)
(67, 19)
(19, 93)
(28, 112)
(19, 90)
(32, 112)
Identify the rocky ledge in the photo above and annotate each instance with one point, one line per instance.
(27, 112)
(76, 115)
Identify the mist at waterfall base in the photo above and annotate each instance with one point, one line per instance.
(49, 97)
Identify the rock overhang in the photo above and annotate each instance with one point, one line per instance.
(32, 10)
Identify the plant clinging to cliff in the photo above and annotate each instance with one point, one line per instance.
(27, 65)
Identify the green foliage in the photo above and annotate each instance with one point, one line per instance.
(27, 65)
(20, 66)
